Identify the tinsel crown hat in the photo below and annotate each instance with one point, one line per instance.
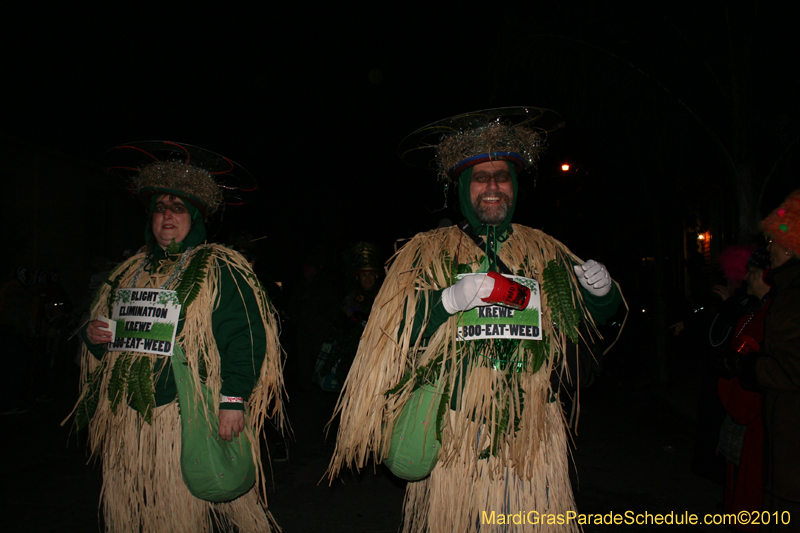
(205, 179)
(514, 134)
(783, 224)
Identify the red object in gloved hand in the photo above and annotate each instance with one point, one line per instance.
(508, 293)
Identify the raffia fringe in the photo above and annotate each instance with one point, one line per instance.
(143, 487)
(468, 496)
(136, 468)
(386, 354)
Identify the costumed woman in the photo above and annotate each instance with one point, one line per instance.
(451, 385)
(775, 370)
(182, 361)
(741, 438)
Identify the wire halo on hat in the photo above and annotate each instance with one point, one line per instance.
(420, 148)
(232, 179)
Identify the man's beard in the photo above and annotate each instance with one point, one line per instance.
(492, 215)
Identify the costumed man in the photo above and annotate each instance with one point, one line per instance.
(366, 268)
(181, 361)
(451, 386)
(336, 355)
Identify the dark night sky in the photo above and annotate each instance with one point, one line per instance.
(313, 101)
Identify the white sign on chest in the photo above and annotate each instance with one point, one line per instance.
(499, 322)
(146, 320)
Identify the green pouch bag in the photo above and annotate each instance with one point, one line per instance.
(415, 450)
(213, 469)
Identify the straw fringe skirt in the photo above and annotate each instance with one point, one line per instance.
(466, 495)
(143, 488)
(529, 470)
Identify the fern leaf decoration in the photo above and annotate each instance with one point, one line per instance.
(559, 297)
(538, 352)
(192, 278)
(119, 376)
(140, 387)
(88, 405)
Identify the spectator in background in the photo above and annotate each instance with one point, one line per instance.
(775, 369)
(741, 438)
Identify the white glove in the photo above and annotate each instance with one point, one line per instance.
(594, 277)
(467, 293)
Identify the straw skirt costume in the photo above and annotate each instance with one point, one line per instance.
(500, 430)
(228, 334)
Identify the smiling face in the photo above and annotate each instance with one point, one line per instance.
(171, 220)
(491, 191)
